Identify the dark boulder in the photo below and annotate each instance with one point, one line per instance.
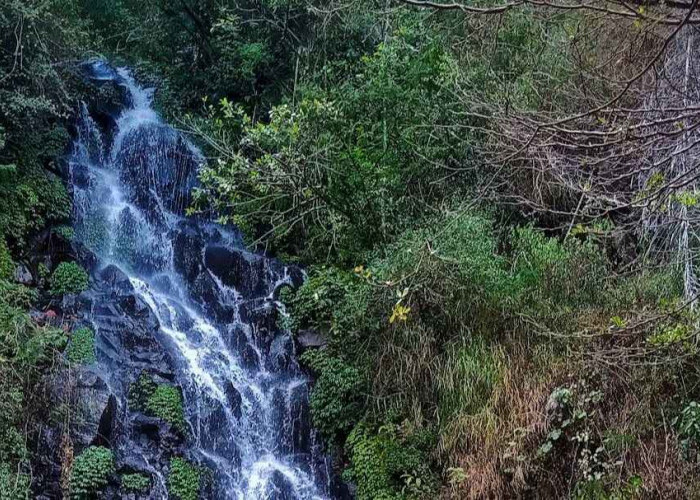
(310, 339)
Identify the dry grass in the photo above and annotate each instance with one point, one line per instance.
(491, 446)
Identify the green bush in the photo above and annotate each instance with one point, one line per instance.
(551, 273)
(136, 483)
(166, 403)
(31, 199)
(184, 480)
(90, 472)
(69, 277)
(13, 486)
(7, 266)
(337, 395)
(688, 427)
(158, 400)
(385, 466)
(65, 232)
(81, 349)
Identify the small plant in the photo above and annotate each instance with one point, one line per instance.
(81, 349)
(688, 426)
(136, 483)
(166, 403)
(184, 480)
(7, 267)
(65, 232)
(69, 277)
(158, 400)
(90, 472)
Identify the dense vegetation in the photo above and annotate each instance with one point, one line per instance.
(495, 207)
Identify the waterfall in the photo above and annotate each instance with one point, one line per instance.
(245, 398)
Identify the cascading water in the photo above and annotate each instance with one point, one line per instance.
(246, 401)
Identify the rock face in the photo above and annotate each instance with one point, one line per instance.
(97, 395)
(310, 339)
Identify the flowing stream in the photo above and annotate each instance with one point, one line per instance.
(245, 398)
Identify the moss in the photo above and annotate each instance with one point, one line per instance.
(81, 349)
(69, 277)
(136, 483)
(90, 472)
(184, 480)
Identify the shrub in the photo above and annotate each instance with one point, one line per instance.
(336, 398)
(90, 472)
(688, 426)
(13, 486)
(65, 232)
(69, 277)
(31, 198)
(166, 403)
(386, 466)
(184, 480)
(158, 400)
(81, 349)
(136, 483)
(551, 272)
(335, 301)
(7, 267)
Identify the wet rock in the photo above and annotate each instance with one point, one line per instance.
(108, 422)
(22, 275)
(88, 396)
(247, 273)
(310, 339)
(116, 279)
(280, 488)
(233, 398)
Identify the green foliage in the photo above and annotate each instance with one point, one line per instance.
(336, 398)
(688, 427)
(336, 301)
(166, 403)
(136, 483)
(13, 485)
(90, 472)
(81, 349)
(184, 479)
(385, 465)
(158, 400)
(31, 201)
(69, 277)
(65, 232)
(357, 190)
(7, 266)
(553, 278)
